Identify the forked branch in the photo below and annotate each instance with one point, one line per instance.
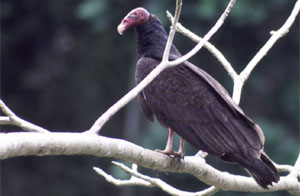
(12, 119)
(240, 79)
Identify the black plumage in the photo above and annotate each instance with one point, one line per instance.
(192, 103)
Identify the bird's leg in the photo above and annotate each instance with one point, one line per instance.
(180, 152)
(169, 147)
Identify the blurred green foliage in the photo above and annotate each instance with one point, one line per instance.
(63, 64)
(91, 9)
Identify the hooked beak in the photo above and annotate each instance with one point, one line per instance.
(122, 27)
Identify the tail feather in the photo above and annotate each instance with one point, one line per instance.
(263, 171)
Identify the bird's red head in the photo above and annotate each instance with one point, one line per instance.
(134, 18)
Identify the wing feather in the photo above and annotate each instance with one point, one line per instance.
(253, 134)
(148, 113)
(199, 109)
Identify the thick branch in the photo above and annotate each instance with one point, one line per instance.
(25, 144)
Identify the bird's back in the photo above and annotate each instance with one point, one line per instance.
(187, 103)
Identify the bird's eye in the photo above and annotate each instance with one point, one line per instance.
(133, 16)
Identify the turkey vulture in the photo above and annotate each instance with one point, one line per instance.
(187, 100)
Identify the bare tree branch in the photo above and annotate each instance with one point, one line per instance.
(13, 119)
(4, 120)
(172, 32)
(240, 79)
(39, 144)
(243, 76)
(276, 35)
(147, 181)
(210, 47)
(133, 181)
(210, 33)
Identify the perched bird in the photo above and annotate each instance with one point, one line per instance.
(187, 100)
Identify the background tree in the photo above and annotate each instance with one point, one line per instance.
(42, 40)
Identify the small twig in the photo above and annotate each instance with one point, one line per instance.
(117, 182)
(172, 31)
(13, 119)
(4, 120)
(161, 184)
(210, 191)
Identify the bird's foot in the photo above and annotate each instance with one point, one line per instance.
(171, 153)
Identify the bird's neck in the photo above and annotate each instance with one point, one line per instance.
(152, 39)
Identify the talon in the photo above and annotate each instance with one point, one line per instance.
(168, 150)
(171, 153)
(163, 151)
